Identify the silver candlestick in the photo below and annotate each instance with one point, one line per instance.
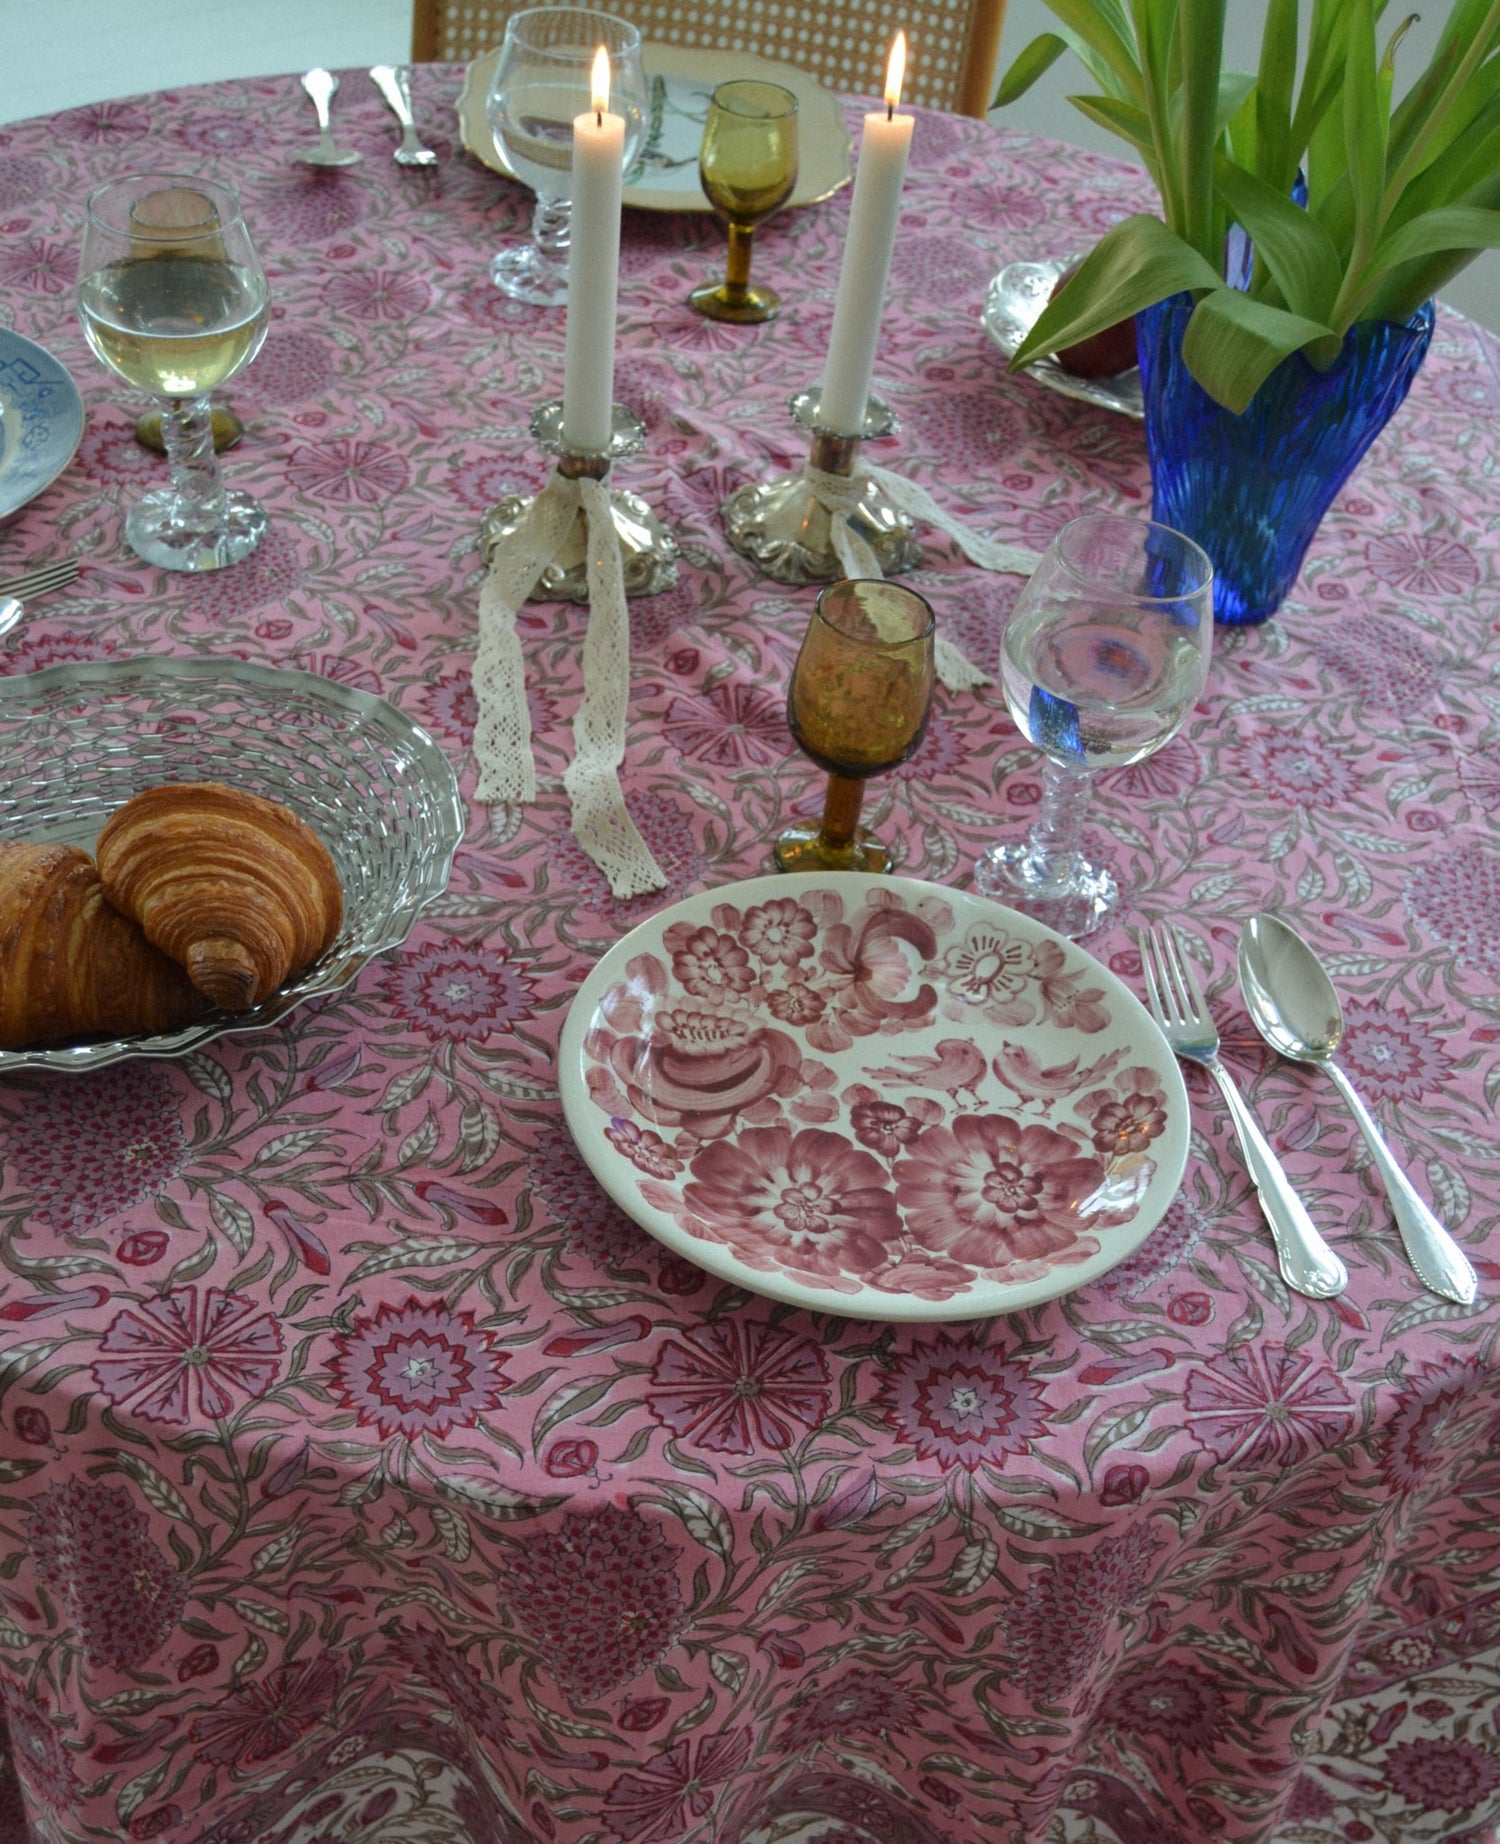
(785, 525)
(648, 549)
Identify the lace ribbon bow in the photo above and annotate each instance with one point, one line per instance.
(502, 735)
(839, 495)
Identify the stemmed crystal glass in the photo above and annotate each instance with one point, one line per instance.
(748, 167)
(1102, 657)
(858, 704)
(542, 80)
(173, 300)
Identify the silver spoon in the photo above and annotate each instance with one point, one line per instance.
(1296, 1010)
(394, 86)
(322, 86)
(11, 612)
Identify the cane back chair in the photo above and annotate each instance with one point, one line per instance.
(953, 44)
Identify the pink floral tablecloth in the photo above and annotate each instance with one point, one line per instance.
(364, 1473)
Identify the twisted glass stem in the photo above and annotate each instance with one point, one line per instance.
(551, 228)
(1052, 845)
(187, 433)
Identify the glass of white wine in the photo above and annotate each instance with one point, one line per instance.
(173, 299)
(1101, 659)
(542, 80)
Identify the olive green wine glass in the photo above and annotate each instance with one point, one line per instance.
(748, 166)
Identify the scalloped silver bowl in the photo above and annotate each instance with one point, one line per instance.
(1012, 307)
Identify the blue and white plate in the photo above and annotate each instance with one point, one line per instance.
(41, 420)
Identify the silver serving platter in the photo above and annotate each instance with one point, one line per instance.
(1012, 307)
(79, 740)
(41, 420)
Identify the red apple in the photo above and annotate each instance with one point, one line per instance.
(1101, 355)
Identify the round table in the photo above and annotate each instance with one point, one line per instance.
(1178, 1556)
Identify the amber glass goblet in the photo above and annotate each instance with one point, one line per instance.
(748, 166)
(859, 700)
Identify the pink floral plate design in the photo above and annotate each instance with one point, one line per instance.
(874, 1096)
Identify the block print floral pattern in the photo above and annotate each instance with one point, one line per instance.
(94, 1547)
(964, 1404)
(738, 1387)
(1259, 1404)
(600, 1596)
(266, 1716)
(417, 1369)
(723, 1063)
(367, 1474)
(185, 1355)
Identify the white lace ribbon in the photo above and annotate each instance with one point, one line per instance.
(502, 734)
(840, 495)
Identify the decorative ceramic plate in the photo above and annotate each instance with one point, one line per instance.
(873, 1096)
(1012, 308)
(79, 740)
(41, 420)
(680, 80)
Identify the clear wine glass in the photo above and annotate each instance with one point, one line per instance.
(748, 167)
(1102, 657)
(858, 704)
(542, 80)
(173, 300)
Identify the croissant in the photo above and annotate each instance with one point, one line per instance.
(235, 888)
(72, 967)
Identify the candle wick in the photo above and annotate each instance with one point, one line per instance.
(890, 111)
(599, 118)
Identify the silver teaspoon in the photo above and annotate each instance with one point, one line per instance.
(1296, 1010)
(392, 82)
(11, 612)
(321, 85)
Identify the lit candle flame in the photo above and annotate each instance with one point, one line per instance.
(895, 72)
(601, 82)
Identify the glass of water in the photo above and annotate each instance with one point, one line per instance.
(542, 80)
(1101, 659)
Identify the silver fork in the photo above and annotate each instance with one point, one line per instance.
(44, 578)
(12, 608)
(1307, 1263)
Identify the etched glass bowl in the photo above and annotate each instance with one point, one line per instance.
(79, 740)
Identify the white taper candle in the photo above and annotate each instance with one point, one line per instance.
(873, 214)
(593, 270)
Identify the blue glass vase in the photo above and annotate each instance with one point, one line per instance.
(1252, 489)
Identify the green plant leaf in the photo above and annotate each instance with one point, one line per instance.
(1236, 87)
(1103, 26)
(1465, 163)
(1121, 118)
(1452, 227)
(1364, 123)
(1200, 31)
(1294, 247)
(1415, 136)
(1318, 121)
(1385, 77)
(1233, 344)
(1275, 87)
(1471, 28)
(1134, 264)
(1403, 289)
(1038, 57)
(1152, 21)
